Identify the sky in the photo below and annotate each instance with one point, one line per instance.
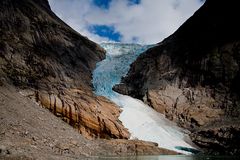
(127, 21)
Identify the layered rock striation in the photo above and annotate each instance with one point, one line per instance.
(52, 64)
(193, 77)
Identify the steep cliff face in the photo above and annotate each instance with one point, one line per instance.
(193, 77)
(52, 64)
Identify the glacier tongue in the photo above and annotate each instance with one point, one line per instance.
(142, 121)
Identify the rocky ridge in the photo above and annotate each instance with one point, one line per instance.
(193, 77)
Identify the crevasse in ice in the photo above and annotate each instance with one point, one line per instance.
(142, 121)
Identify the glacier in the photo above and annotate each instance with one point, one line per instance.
(142, 121)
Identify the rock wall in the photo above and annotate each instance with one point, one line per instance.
(193, 76)
(52, 63)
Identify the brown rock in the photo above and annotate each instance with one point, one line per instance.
(188, 107)
(137, 147)
(221, 136)
(89, 121)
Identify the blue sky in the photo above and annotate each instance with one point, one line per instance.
(104, 4)
(128, 21)
(108, 31)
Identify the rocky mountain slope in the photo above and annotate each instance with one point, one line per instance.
(193, 77)
(52, 63)
(43, 61)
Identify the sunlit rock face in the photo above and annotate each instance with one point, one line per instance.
(39, 53)
(192, 77)
(143, 122)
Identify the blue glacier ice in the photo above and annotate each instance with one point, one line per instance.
(142, 121)
(117, 63)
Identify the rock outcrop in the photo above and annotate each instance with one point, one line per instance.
(193, 76)
(52, 64)
(28, 131)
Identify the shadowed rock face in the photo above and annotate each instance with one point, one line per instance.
(52, 63)
(193, 77)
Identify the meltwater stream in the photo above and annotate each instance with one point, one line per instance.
(142, 121)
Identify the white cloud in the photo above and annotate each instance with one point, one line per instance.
(149, 22)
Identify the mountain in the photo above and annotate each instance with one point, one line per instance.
(43, 55)
(193, 77)
(45, 63)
